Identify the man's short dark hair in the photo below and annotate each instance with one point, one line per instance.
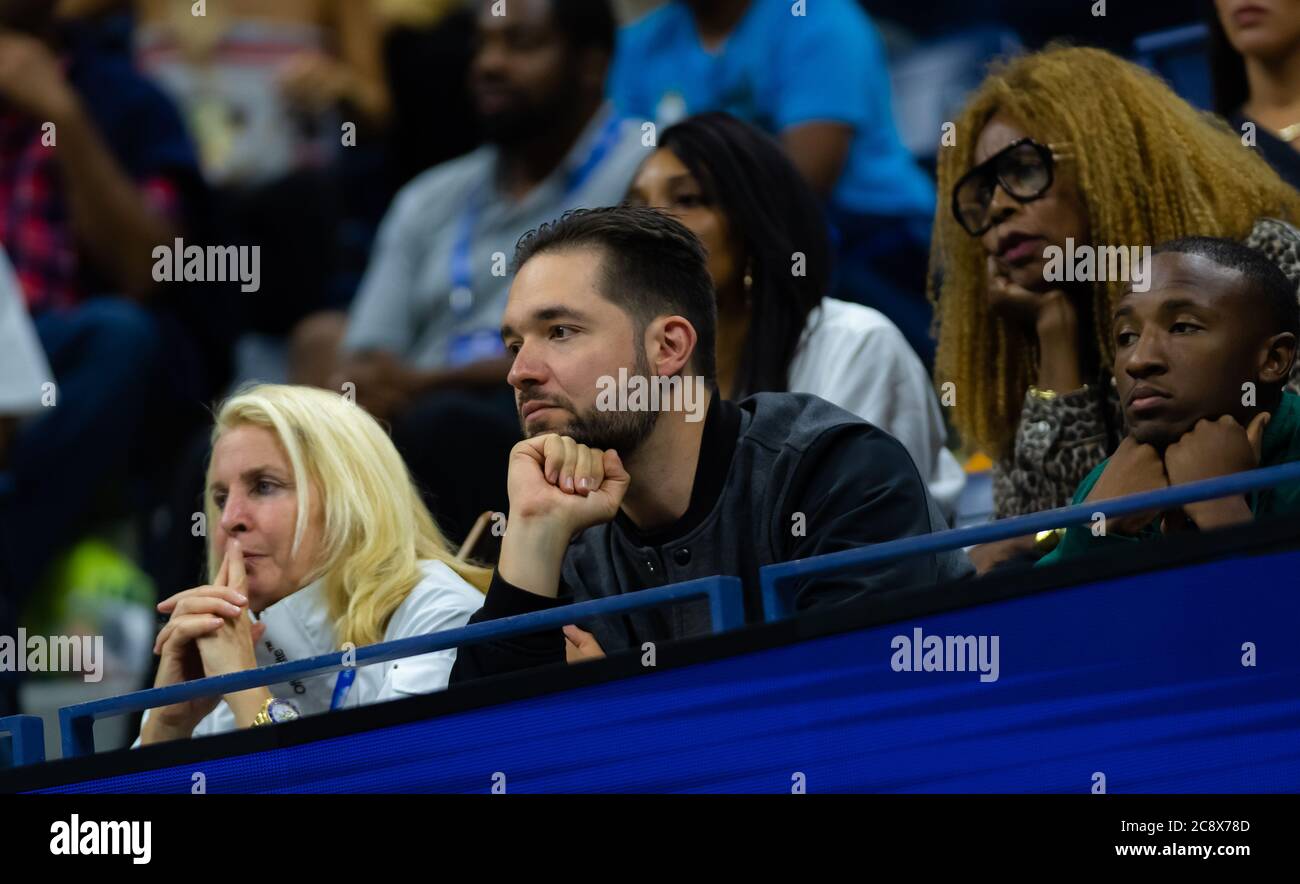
(1267, 282)
(651, 266)
(585, 23)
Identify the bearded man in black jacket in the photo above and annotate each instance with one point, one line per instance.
(635, 473)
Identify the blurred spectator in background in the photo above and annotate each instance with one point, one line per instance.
(819, 82)
(23, 367)
(1039, 162)
(428, 48)
(95, 172)
(23, 372)
(276, 95)
(422, 342)
(264, 84)
(1255, 64)
(735, 189)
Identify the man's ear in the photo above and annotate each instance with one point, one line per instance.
(670, 341)
(1279, 354)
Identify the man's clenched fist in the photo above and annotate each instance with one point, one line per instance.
(557, 488)
(1216, 448)
(552, 477)
(1132, 469)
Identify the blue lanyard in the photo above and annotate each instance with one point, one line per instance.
(461, 275)
(604, 143)
(341, 686)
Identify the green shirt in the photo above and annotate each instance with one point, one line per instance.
(1281, 444)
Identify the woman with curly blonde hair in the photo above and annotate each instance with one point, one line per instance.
(1067, 144)
(317, 538)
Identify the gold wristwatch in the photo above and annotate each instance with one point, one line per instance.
(276, 711)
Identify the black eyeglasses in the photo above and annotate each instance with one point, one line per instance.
(1024, 168)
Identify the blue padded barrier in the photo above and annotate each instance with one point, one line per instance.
(27, 736)
(726, 608)
(776, 580)
(1137, 675)
(724, 594)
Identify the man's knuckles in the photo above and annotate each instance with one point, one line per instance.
(1147, 454)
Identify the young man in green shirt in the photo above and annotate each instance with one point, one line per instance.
(1201, 358)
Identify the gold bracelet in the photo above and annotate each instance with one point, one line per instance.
(263, 717)
(1049, 395)
(1046, 541)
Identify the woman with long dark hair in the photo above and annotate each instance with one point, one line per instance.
(1255, 68)
(770, 258)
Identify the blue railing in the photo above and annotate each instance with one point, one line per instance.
(776, 580)
(724, 594)
(726, 608)
(1183, 38)
(27, 737)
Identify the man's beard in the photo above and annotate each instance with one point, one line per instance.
(528, 116)
(522, 121)
(509, 127)
(621, 431)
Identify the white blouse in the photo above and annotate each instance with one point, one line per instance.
(298, 626)
(854, 357)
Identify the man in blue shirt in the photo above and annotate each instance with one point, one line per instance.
(815, 76)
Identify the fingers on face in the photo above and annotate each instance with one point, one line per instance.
(1226, 422)
(612, 465)
(553, 453)
(582, 470)
(1255, 433)
(573, 467)
(589, 470)
(217, 591)
(238, 579)
(570, 464)
(223, 573)
(595, 469)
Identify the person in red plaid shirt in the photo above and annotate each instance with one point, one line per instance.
(95, 171)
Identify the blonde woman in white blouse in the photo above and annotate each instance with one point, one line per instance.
(317, 539)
